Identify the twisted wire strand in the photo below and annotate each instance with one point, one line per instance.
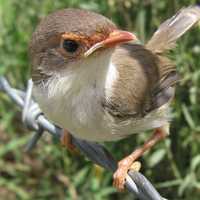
(33, 118)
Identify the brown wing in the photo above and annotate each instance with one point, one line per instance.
(144, 83)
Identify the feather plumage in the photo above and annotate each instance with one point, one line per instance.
(172, 29)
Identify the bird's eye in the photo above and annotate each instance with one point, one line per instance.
(70, 45)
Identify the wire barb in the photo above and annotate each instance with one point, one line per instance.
(33, 118)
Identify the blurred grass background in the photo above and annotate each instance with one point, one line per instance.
(50, 172)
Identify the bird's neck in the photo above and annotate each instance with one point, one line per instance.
(94, 73)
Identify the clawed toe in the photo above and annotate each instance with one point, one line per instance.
(119, 177)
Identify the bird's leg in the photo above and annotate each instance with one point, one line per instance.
(66, 141)
(125, 164)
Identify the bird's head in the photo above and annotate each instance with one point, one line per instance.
(68, 38)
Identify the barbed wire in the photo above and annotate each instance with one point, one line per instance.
(34, 119)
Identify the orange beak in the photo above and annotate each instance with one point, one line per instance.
(116, 37)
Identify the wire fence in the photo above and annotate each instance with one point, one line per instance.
(34, 119)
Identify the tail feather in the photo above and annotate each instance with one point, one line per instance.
(172, 29)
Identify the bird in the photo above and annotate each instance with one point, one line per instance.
(100, 83)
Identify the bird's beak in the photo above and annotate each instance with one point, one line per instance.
(116, 37)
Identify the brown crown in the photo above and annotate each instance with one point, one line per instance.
(86, 25)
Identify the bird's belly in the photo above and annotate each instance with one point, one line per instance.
(86, 119)
(101, 128)
(81, 114)
(81, 124)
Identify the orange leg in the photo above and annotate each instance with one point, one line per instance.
(66, 141)
(125, 164)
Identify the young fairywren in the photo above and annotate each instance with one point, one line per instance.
(98, 83)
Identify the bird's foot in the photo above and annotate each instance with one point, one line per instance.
(129, 162)
(66, 141)
(124, 165)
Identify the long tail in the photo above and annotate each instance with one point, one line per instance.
(173, 28)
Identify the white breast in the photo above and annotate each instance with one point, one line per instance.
(72, 98)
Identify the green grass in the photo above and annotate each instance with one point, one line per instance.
(50, 172)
